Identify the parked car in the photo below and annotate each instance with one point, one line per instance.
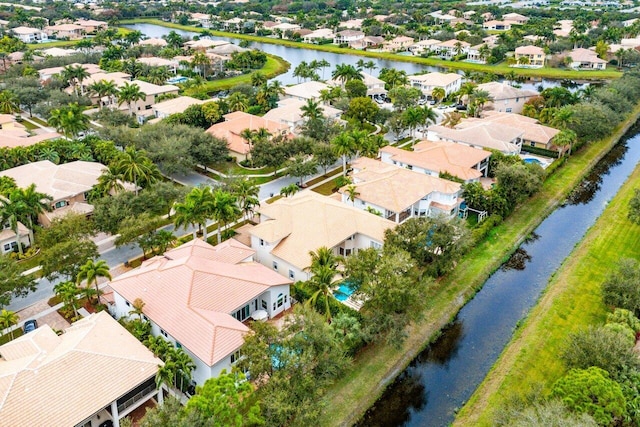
(30, 325)
(461, 107)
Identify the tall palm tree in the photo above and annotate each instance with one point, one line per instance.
(345, 72)
(412, 116)
(186, 214)
(68, 293)
(166, 374)
(201, 61)
(104, 88)
(8, 319)
(237, 101)
(109, 181)
(564, 138)
(323, 282)
(34, 203)
(438, 93)
(184, 366)
(311, 110)
(69, 119)
(130, 93)
(80, 75)
(323, 63)
(343, 145)
(158, 75)
(224, 209)
(91, 271)
(135, 167)
(9, 102)
(246, 192)
(201, 199)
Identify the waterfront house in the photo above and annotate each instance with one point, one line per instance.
(480, 134)
(586, 59)
(65, 31)
(423, 46)
(535, 56)
(506, 98)
(29, 35)
(450, 82)
(451, 48)
(305, 91)
(289, 112)
(534, 134)
(348, 36)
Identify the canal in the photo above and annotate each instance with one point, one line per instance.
(443, 377)
(295, 56)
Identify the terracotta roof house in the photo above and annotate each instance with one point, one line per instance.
(95, 372)
(586, 59)
(399, 44)
(450, 82)
(68, 184)
(534, 54)
(398, 193)
(14, 134)
(495, 25)
(47, 73)
(204, 44)
(289, 112)
(91, 25)
(515, 18)
(486, 135)
(374, 85)
(318, 35)
(433, 158)
(291, 227)
(535, 134)
(197, 296)
(155, 61)
(506, 98)
(233, 125)
(305, 91)
(65, 31)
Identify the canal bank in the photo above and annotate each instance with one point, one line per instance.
(501, 69)
(377, 367)
(571, 302)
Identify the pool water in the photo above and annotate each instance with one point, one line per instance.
(531, 160)
(344, 291)
(177, 79)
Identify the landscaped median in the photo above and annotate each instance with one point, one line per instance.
(572, 301)
(546, 72)
(377, 366)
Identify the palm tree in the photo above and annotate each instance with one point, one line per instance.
(438, 93)
(68, 74)
(201, 202)
(135, 167)
(166, 374)
(34, 203)
(289, 190)
(237, 101)
(80, 73)
(224, 209)
(49, 153)
(158, 75)
(69, 119)
(246, 192)
(311, 110)
(352, 193)
(109, 181)
(451, 119)
(480, 97)
(138, 306)
(12, 209)
(466, 89)
(91, 271)
(343, 145)
(186, 214)
(428, 116)
(412, 116)
(323, 63)
(345, 72)
(323, 282)
(8, 319)
(393, 77)
(564, 138)
(68, 293)
(562, 118)
(9, 102)
(184, 366)
(258, 79)
(104, 88)
(130, 93)
(202, 61)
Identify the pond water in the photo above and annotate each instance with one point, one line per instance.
(295, 56)
(443, 377)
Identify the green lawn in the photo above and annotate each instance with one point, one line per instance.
(571, 302)
(325, 189)
(496, 69)
(273, 67)
(376, 366)
(232, 168)
(66, 43)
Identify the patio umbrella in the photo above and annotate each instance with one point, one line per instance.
(260, 315)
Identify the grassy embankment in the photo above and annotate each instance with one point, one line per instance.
(571, 301)
(377, 366)
(552, 73)
(272, 68)
(67, 43)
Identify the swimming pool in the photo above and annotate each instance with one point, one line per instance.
(532, 160)
(177, 79)
(344, 291)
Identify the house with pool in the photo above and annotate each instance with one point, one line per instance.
(197, 297)
(291, 227)
(397, 193)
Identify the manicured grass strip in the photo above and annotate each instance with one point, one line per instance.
(273, 67)
(67, 43)
(571, 302)
(377, 366)
(555, 73)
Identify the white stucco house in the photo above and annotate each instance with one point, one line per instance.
(291, 227)
(196, 296)
(450, 82)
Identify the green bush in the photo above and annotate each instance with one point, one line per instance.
(483, 229)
